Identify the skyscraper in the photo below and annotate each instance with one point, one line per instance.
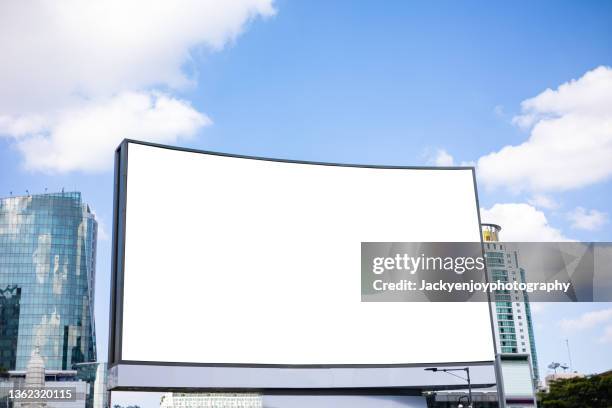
(512, 312)
(47, 275)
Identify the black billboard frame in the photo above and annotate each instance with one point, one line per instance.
(115, 360)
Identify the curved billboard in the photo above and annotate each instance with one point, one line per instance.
(237, 261)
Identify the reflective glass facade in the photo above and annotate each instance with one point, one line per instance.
(95, 374)
(47, 275)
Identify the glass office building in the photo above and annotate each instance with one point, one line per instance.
(95, 374)
(47, 274)
(512, 312)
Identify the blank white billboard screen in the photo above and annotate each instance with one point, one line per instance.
(243, 261)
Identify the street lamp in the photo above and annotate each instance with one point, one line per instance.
(450, 371)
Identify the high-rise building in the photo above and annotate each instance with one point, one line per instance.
(10, 298)
(96, 376)
(47, 274)
(512, 312)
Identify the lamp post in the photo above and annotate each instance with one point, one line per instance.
(450, 371)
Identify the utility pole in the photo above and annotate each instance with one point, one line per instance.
(569, 355)
(450, 371)
(467, 370)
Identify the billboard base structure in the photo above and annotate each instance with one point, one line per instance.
(394, 380)
(515, 381)
(253, 400)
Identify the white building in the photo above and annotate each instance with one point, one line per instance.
(35, 377)
(211, 400)
(559, 376)
(512, 312)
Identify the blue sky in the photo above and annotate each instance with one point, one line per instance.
(360, 82)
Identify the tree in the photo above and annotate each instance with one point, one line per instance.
(587, 392)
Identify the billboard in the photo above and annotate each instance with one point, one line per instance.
(241, 262)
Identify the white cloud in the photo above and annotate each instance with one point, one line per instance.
(521, 222)
(543, 201)
(54, 51)
(570, 144)
(441, 158)
(589, 220)
(607, 336)
(22, 125)
(85, 74)
(102, 234)
(537, 307)
(587, 320)
(498, 110)
(86, 137)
